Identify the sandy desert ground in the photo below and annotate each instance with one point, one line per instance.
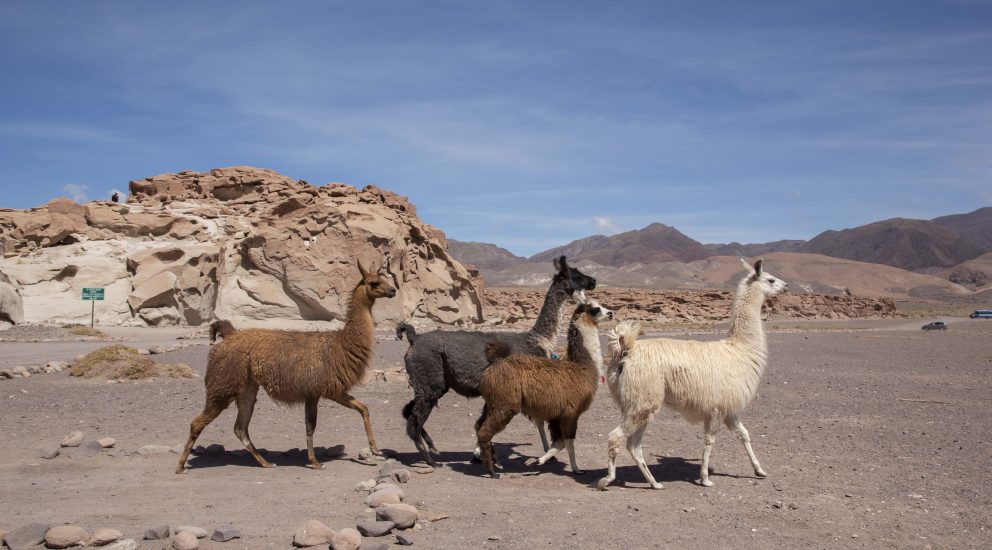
(874, 434)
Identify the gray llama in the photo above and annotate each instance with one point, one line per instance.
(441, 360)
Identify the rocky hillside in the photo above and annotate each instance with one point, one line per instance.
(907, 244)
(520, 306)
(241, 243)
(753, 249)
(652, 244)
(484, 256)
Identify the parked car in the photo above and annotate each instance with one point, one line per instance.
(936, 325)
(981, 314)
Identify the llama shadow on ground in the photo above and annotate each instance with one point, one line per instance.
(295, 457)
(666, 469)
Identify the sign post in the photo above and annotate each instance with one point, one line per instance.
(92, 294)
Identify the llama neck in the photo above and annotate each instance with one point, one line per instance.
(583, 344)
(548, 326)
(359, 328)
(745, 321)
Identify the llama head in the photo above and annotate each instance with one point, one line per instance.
(596, 312)
(573, 279)
(769, 283)
(376, 285)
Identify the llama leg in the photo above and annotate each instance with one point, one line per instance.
(477, 452)
(710, 427)
(416, 412)
(569, 427)
(637, 453)
(311, 413)
(570, 444)
(735, 424)
(494, 423)
(557, 442)
(246, 407)
(430, 442)
(212, 409)
(613, 447)
(541, 432)
(352, 403)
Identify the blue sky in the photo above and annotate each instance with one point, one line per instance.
(527, 124)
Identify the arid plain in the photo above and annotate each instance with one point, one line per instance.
(874, 434)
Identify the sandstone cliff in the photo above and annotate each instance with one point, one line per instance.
(239, 243)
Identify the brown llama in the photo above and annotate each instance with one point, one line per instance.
(544, 389)
(292, 367)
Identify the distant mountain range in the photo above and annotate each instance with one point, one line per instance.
(651, 256)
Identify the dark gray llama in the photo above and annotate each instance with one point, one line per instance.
(441, 360)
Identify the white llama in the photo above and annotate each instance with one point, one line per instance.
(708, 382)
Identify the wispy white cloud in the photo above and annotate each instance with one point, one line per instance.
(605, 224)
(76, 192)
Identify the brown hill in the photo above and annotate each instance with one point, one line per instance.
(898, 242)
(654, 243)
(806, 273)
(484, 256)
(975, 227)
(753, 249)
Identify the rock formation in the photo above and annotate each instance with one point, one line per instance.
(241, 243)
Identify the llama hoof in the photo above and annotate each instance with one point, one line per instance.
(267, 465)
(602, 484)
(532, 461)
(760, 473)
(578, 472)
(180, 470)
(706, 483)
(494, 475)
(657, 485)
(315, 466)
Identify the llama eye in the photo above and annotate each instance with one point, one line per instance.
(374, 285)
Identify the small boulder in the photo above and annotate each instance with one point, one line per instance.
(6, 374)
(401, 475)
(72, 439)
(158, 532)
(102, 537)
(49, 451)
(27, 536)
(107, 442)
(375, 528)
(313, 533)
(185, 541)
(403, 541)
(226, 533)
(346, 539)
(403, 515)
(21, 371)
(65, 536)
(198, 532)
(365, 486)
(381, 498)
(380, 545)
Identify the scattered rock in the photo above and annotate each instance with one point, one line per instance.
(403, 541)
(6, 374)
(197, 532)
(403, 515)
(72, 439)
(178, 449)
(158, 532)
(401, 475)
(21, 371)
(384, 496)
(388, 486)
(365, 486)
(49, 451)
(27, 536)
(89, 448)
(126, 544)
(224, 534)
(313, 533)
(107, 442)
(346, 539)
(153, 450)
(64, 536)
(365, 454)
(375, 528)
(380, 545)
(437, 517)
(793, 506)
(102, 537)
(34, 369)
(334, 452)
(185, 541)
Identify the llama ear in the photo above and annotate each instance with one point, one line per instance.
(361, 269)
(757, 266)
(561, 265)
(747, 266)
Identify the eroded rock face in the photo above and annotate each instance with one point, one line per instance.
(245, 244)
(11, 304)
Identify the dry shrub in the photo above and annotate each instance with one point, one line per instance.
(83, 330)
(119, 361)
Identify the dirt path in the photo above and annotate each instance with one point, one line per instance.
(851, 463)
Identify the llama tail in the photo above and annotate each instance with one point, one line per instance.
(623, 337)
(411, 334)
(224, 328)
(497, 350)
(408, 408)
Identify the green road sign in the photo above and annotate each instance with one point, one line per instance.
(92, 293)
